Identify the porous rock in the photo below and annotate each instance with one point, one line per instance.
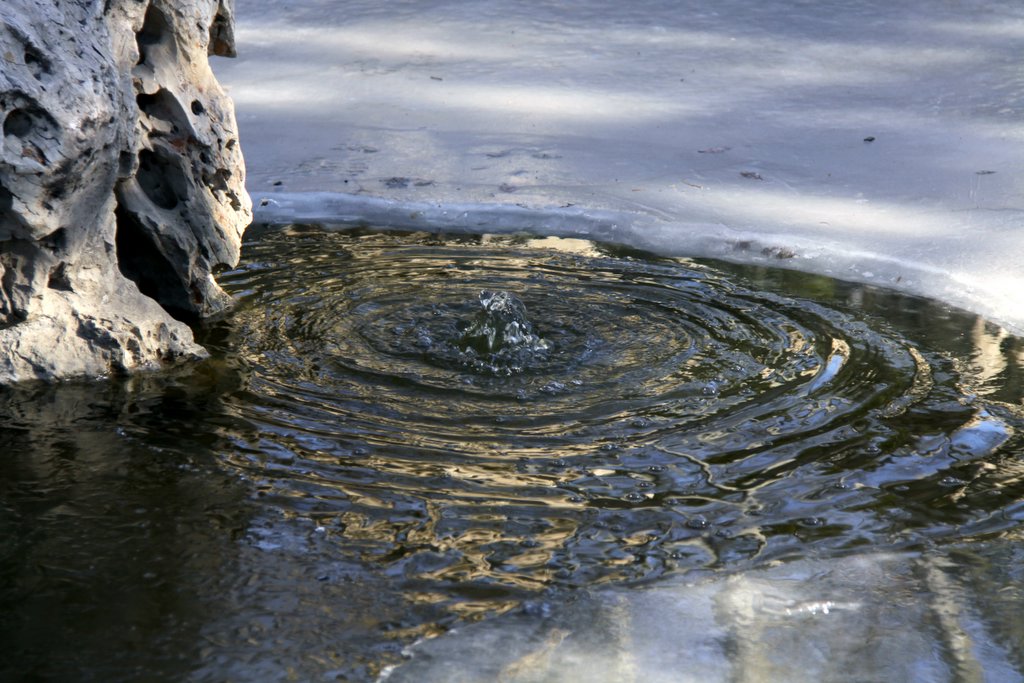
(121, 182)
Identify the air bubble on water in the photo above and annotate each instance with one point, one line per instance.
(697, 522)
(537, 608)
(553, 387)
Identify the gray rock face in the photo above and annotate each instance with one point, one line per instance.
(121, 182)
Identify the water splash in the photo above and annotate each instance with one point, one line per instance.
(500, 338)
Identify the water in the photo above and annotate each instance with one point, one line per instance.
(399, 434)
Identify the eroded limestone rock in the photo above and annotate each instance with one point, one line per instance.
(121, 182)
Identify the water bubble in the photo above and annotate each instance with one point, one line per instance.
(553, 387)
(697, 522)
(537, 608)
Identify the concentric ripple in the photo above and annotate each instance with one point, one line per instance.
(677, 415)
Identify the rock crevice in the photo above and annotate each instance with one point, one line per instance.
(121, 182)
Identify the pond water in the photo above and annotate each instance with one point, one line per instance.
(353, 469)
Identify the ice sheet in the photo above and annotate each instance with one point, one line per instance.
(869, 140)
(868, 618)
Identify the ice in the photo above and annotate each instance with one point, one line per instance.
(873, 141)
(875, 617)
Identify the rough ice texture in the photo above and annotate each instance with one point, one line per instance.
(871, 140)
(121, 182)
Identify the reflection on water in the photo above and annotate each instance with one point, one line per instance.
(337, 481)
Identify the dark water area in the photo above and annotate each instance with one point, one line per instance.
(353, 469)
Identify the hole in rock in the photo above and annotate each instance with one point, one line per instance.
(218, 180)
(18, 123)
(36, 62)
(56, 240)
(166, 114)
(141, 260)
(10, 312)
(198, 108)
(155, 34)
(28, 131)
(222, 38)
(59, 279)
(161, 179)
(125, 161)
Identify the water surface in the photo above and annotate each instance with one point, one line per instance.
(347, 474)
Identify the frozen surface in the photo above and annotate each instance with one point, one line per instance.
(734, 128)
(869, 618)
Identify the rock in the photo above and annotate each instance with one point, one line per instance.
(121, 183)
